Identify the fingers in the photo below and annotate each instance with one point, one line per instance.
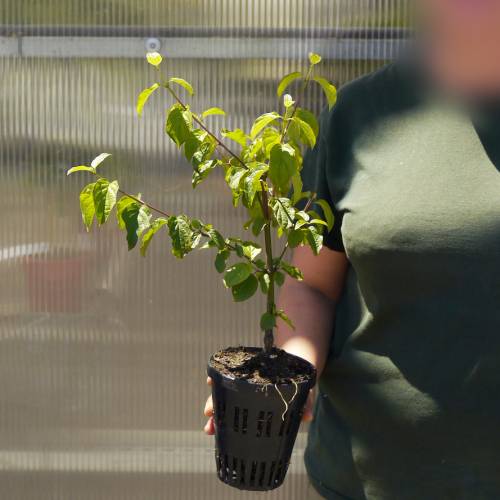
(209, 408)
(208, 411)
(209, 428)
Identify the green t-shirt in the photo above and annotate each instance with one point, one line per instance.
(409, 402)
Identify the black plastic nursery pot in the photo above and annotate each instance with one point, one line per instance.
(256, 423)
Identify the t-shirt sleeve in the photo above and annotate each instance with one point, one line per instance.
(315, 172)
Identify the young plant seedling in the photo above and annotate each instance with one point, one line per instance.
(262, 171)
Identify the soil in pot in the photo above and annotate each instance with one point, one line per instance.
(258, 405)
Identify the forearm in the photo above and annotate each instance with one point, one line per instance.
(312, 314)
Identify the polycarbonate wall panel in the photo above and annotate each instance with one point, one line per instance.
(94, 339)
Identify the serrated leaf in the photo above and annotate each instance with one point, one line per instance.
(183, 83)
(136, 219)
(144, 96)
(310, 118)
(327, 212)
(286, 82)
(262, 122)
(87, 205)
(213, 111)
(282, 166)
(237, 274)
(314, 239)
(80, 168)
(104, 195)
(329, 90)
(150, 232)
(99, 159)
(267, 321)
(179, 123)
(154, 58)
(236, 135)
(246, 289)
(314, 58)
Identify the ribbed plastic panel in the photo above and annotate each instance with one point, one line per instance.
(103, 353)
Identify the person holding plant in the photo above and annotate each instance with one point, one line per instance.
(400, 311)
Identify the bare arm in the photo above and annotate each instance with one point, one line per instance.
(310, 304)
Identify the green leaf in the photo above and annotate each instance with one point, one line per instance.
(295, 238)
(99, 159)
(246, 289)
(237, 274)
(297, 185)
(282, 166)
(221, 260)
(234, 176)
(80, 168)
(267, 321)
(293, 272)
(151, 231)
(123, 203)
(314, 239)
(306, 132)
(281, 314)
(136, 218)
(144, 96)
(154, 58)
(327, 212)
(250, 250)
(179, 123)
(87, 205)
(182, 236)
(262, 122)
(279, 278)
(286, 81)
(202, 171)
(213, 111)
(314, 58)
(236, 135)
(284, 213)
(252, 182)
(310, 118)
(104, 198)
(329, 90)
(217, 239)
(183, 83)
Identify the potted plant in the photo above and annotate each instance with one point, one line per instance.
(258, 393)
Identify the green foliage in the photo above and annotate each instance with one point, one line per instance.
(263, 178)
(144, 96)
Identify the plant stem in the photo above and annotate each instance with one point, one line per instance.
(268, 334)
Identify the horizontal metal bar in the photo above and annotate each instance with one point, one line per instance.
(202, 32)
(201, 48)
